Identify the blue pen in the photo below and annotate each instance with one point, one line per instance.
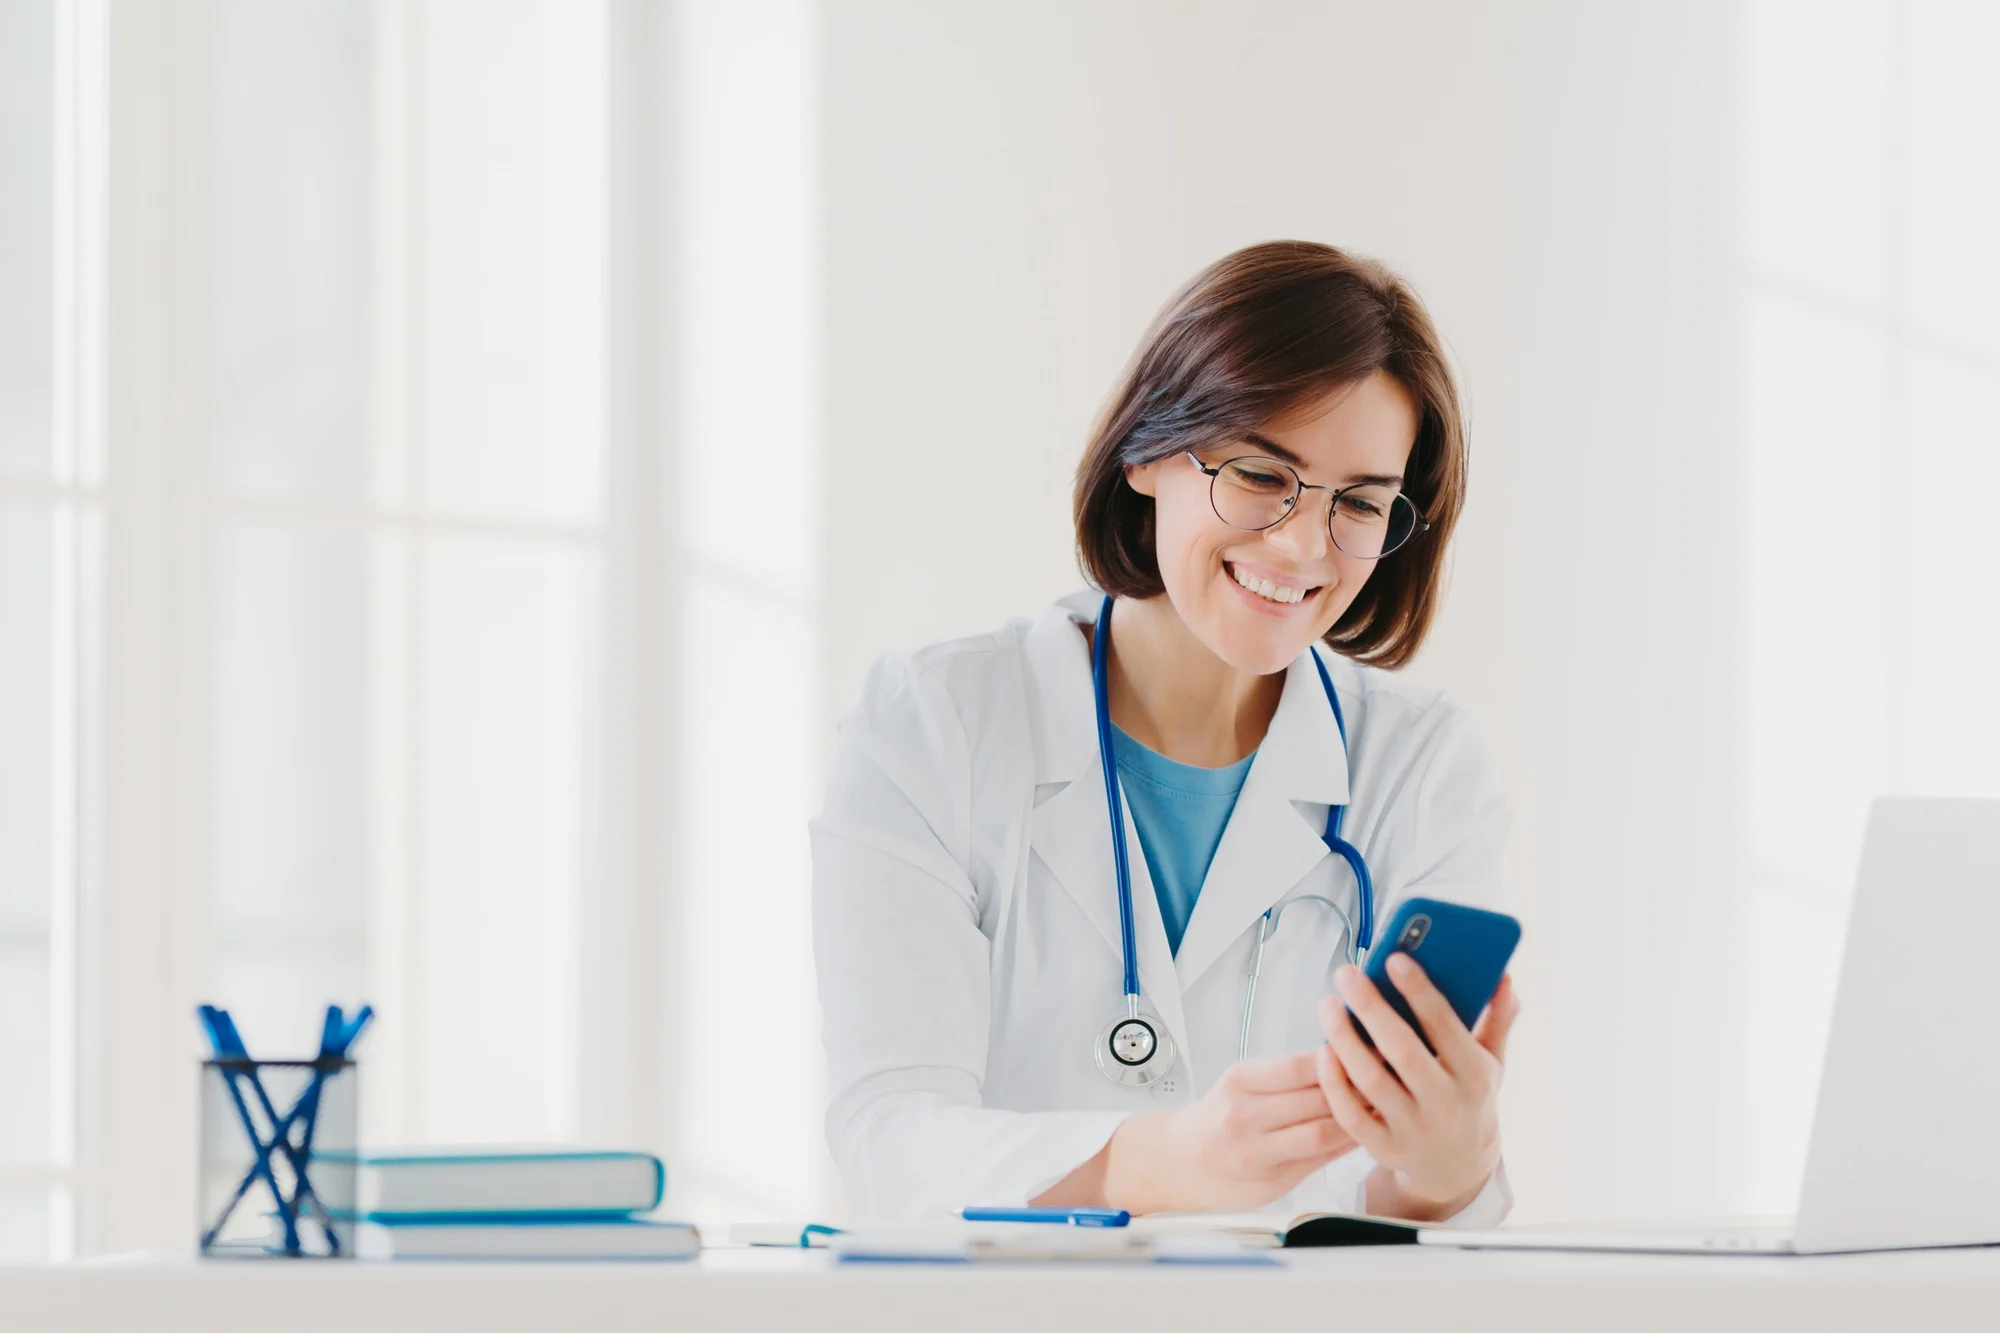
(1075, 1217)
(228, 1045)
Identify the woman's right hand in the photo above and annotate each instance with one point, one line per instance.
(1251, 1138)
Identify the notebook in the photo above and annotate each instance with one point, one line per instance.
(1305, 1231)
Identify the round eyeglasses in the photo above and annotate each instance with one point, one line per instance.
(1366, 521)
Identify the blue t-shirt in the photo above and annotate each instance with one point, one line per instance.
(1180, 811)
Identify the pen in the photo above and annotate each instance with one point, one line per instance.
(1075, 1217)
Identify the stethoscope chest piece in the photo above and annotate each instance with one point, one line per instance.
(1134, 1051)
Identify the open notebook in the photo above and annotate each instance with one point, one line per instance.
(1305, 1231)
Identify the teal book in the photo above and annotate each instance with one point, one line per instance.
(524, 1184)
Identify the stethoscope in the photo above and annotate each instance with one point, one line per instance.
(1134, 1050)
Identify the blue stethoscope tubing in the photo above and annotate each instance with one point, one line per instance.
(1361, 930)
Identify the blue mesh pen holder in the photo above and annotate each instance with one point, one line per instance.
(278, 1159)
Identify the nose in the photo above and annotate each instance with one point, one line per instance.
(1303, 534)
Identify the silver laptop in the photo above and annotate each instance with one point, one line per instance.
(1902, 1151)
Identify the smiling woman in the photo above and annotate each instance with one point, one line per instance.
(1282, 464)
(1288, 351)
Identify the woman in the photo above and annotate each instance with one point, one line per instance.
(1283, 463)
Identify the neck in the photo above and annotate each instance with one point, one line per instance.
(1170, 693)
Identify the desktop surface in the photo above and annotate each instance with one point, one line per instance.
(1382, 1289)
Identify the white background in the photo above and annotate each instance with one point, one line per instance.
(457, 460)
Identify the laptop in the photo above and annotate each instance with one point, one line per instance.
(1916, 1029)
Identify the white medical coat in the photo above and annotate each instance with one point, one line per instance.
(965, 914)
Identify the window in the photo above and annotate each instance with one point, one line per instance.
(404, 516)
(407, 581)
(51, 506)
(749, 1093)
(1873, 336)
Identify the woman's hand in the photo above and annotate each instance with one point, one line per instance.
(1251, 1138)
(1431, 1122)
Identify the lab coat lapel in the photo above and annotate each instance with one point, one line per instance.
(1071, 833)
(1070, 829)
(1272, 840)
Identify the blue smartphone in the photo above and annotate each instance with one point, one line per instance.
(1463, 950)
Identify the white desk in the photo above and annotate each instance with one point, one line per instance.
(1371, 1289)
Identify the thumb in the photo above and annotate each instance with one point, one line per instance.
(1493, 1026)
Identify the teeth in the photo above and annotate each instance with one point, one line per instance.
(1266, 589)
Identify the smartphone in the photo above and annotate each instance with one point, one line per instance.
(1463, 950)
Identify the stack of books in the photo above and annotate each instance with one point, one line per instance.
(517, 1203)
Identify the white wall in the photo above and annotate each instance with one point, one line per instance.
(1011, 191)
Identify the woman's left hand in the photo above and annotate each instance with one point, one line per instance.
(1431, 1122)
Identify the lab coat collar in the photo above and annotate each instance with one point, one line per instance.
(1064, 713)
(1303, 753)
(1271, 842)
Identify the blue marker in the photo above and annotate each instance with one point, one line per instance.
(1075, 1217)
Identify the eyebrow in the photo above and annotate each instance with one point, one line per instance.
(1284, 455)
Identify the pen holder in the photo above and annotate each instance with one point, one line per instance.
(278, 1159)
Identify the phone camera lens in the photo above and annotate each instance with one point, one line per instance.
(1413, 934)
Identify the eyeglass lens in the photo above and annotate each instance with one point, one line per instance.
(1368, 522)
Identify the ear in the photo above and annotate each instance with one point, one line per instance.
(1144, 478)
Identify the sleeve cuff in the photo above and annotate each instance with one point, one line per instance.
(1342, 1187)
(1348, 1178)
(1489, 1207)
(1075, 1146)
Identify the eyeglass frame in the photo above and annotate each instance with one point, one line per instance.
(1301, 486)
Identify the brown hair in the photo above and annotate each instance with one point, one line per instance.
(1256, 334)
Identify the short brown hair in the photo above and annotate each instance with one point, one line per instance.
(1254, 335)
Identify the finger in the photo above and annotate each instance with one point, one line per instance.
(1323, 1139)
(1365, 1070)
(1279, 1110)
(1350, 1111)
(1397, 1041)
(1274, 1073)
(1440, 1021)
(1497, 1022)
